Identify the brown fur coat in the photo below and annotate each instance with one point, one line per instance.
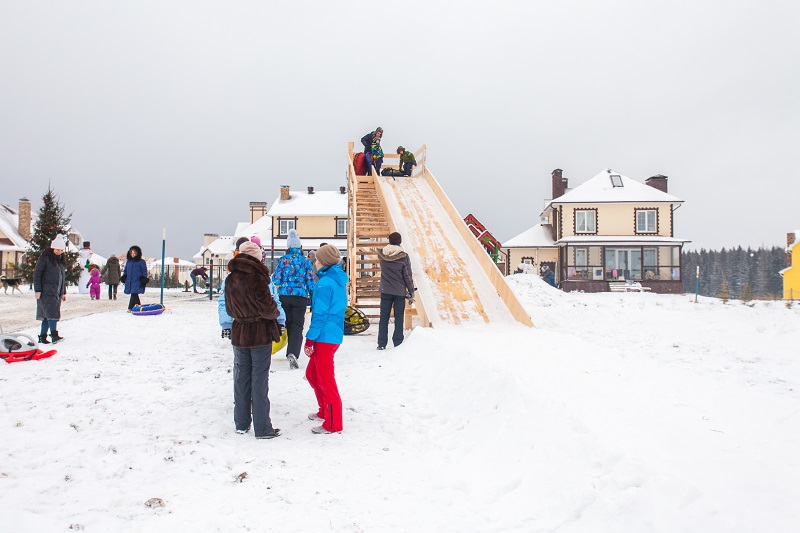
(250, 304)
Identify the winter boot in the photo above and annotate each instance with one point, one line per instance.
(292, 361)
(56, 338)
(43, 339)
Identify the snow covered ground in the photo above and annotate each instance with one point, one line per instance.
(619, 412)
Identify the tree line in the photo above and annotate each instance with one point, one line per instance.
(736, 273)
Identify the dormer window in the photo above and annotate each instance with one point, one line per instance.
(616, 180)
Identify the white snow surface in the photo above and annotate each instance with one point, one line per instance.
(619, 412)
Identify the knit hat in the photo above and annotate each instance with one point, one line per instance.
(395, 239)
(328, 255)
(293, 241)
(256, 239)
(251, 249)
(59, 243)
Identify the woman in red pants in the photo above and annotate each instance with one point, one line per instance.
(324, 337)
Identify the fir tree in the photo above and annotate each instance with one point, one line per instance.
(51, 222)
(747, 292)
(724, 293)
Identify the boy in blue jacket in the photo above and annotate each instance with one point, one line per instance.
(324, 336)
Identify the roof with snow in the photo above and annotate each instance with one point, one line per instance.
(261, 228)
(321, 203)
(219, 247)
(8, 225)
(539, 236)
(171, 261)
(601, 189)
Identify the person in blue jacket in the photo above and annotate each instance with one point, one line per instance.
(135, 275)
(294, 278)
(548, 275)
(324, 336)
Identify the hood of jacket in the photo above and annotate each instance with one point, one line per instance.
(113, 260)
(334, 273)
(392, 252)
(138, 253)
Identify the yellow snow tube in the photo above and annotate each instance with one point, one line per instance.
(278, 346)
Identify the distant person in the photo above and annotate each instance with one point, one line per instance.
(254, 329)
(199, 271)
(256, 239)
(240, 241)
(407, 161)
(324, 336)
(548, 275)
(111, 273)
(294, 279)
(50, 288)
(135, 276)
(94, 283)
(397, 285)
(368, 140)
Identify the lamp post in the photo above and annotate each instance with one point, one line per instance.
(163, 250)
(696, 283)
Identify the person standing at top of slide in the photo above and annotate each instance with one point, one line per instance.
(368, 140)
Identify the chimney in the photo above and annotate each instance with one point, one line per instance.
(790, 238)
(24, 223)
(284, 192)
(257, 210)
(175, 260)
(208, 238)
(559, 184)
(342, 190)
(657, 182)
(311, 190)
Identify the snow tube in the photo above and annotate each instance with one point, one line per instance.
(147, 309)
(360, 164)
(278, 346)
(355, 321)
(20, 347)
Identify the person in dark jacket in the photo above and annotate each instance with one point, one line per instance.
(407, 161)
(368, 141)
(111, 274)
(199, 271)
(255, 327)
(50, 287)
(294, 279)
(323, 338)
(135, 275)
(548, 275)
(397, 284)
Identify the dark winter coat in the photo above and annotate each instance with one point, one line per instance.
(135, 272)
(249, 302)
(367, 141)
(396, 276)
(549, 276)
(111, 272)
(200, 271)
(49, 279)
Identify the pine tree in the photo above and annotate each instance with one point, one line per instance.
(747, 292)
(724, 293)
(51, 222)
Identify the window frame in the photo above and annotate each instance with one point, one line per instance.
(346, 226)
(575, 214)
(281, 231)
(646, 231)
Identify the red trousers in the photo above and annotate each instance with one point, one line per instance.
(319, 373)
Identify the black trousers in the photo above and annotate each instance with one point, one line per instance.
(295, 309)
(389, 301)
(133, 301)
(112, 291)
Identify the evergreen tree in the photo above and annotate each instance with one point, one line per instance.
(51, 222)
(724, 293)
(747, 292)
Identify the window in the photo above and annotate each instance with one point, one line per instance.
(581, 257)
(586, 221)
(616, 180)
(285, 225)
(646, 221)
(341, 226)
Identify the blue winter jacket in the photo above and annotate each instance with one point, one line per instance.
(294, 274)
(134, 269)
(328, 306)
(225, 320)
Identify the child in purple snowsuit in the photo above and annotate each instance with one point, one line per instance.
(94, 284)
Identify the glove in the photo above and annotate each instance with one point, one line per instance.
(410, 299)
(123, 277)
(308, 349)
(226, 333)
(143, 280)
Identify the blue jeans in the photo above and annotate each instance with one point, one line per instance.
(194, 281)
(251, 388)
(48, 324)
(408, 168)
(389, 301)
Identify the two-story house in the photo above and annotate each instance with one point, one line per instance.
(791, 274)
(317, 216)
(611, 228)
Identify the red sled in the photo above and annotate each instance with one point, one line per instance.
(30, 355)
(360, 164)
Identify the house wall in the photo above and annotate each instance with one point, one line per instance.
(618, 219)
(515, 256)
(310, 227)
(791, 280)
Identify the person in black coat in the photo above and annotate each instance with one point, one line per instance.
(367, 140)
(397, 284)
(135, 275)
(50, 287)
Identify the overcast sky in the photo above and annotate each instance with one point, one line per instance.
(179, 113)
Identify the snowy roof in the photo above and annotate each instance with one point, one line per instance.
(220, 246)
(308, 244)
(620, 240)
(261, 227)
(239, 228)
(539, 236)
(171, 261)
(600, 189)
(321, 203)
(8, 225)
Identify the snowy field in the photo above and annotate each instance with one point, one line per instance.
(618, 413)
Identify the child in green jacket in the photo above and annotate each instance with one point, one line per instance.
(407, 160)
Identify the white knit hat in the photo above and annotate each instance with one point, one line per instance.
(293, 240)
(59, 243)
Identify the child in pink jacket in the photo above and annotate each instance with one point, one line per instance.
(94, 284)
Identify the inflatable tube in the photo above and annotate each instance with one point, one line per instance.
(278, 346)
(147, 309)
(355, 321)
